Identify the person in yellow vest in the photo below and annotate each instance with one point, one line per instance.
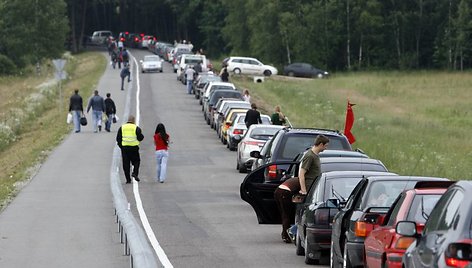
(128, 137)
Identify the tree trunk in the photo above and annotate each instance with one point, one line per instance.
(82, 27)
(360, 53)
(72, 26)
(348, 48)
(418, 33)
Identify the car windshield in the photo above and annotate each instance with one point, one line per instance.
(152, 58)
(262, 133)
(422, 206)
(223, 94)
(340, 188)
(295, 144)
(382, 193)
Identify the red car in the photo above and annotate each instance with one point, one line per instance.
(384, 247)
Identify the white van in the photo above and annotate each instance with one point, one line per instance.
(100, 37)
(192, 59)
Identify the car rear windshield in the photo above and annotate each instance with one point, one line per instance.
(263, 133)
(342, 166)
(295, 144)
(422, 206)
(340, 188)
(387, 190)
(223, 94)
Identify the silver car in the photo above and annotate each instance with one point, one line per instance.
(151, 63)
(253, 140)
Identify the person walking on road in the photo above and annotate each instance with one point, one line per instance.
(110, 111)
(161, 141)
(125, 72)
(283, 197)
(278, 117)
(253, 116)
(310, 167)
(128, 137)
(77, 109)
(189, 73)
(98, 107)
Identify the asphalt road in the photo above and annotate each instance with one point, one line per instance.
(197, 214)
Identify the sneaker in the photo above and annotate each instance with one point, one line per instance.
(99, 128)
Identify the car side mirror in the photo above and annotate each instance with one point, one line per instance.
(333, 202)
(255, 154)
(406, 228)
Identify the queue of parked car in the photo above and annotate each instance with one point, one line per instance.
(357, 213)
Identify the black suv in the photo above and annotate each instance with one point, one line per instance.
(286, 144)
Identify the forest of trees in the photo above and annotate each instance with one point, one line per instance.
(336, 35)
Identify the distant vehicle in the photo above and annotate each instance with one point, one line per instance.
(383, 246)
(246, 65)
(151, 63)
(301, 69)
(446, 240)
(100, 37)
(251, 140)
(146, 41)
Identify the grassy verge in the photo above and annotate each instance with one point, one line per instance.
(36, 117)
(416, 123)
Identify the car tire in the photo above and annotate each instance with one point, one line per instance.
(161, 71)
(242, 169)
(175, 71)
(308, 260)
(291, 74)
(237, 71)
(300, 251)
(267, 73)
(142, 71)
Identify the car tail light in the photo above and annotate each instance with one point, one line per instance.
(228, 124)
(273, 172)
(141, 34)
(238, 132)
(126, 33)
(122, 39)
(362, 228)
(404, 242)
(324, 216)
(136, 39)
(458, 254)
(251, 143)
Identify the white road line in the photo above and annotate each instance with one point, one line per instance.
(139, 204)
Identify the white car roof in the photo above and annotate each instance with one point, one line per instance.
(221, 84)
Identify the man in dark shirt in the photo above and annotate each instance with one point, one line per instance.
(110, 111)
(252, 116)
(310, 166)
(77, 109)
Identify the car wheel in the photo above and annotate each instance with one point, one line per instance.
(142, 71)
(161, 71)
(299, 248)
(267, 73)
(346, 261)
(237, 71)
(175, 71)
(242, 169)
(308, 260)
(291, 74)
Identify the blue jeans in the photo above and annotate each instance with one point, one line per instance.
(108, 122)
(161, 170)
(97, 119)
(76, 119)
(189, 86)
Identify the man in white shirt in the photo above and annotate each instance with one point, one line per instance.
(189, 73)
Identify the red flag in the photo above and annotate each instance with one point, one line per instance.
(349, 123)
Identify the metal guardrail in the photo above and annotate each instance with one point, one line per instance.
(132, 235)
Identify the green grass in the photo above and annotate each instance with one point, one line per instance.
(42, 128)
(417, 123)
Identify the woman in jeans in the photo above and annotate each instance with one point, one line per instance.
(161, 141)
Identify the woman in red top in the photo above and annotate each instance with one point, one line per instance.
(161, 140)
